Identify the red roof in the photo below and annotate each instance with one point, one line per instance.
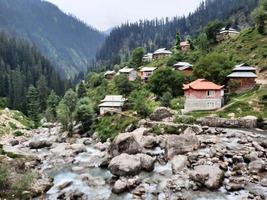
(202, 84)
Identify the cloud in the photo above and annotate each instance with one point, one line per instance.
(104, 14)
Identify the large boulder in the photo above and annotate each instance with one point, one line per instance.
(256, 166)
(149, 141)
(120, 186)
(161, 114)
(39, 144)
(209, 176)
(130, 143)
(127, 165)
(180, 144)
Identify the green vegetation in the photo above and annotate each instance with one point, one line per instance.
(111, 126)
(137, 57)
(14, 187)
(260, 15)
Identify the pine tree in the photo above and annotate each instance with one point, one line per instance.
(52, 103)
(43, 91)
(81, 92)
(33, 104)
(178, 40)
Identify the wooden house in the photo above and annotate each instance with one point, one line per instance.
(146, 72)
(130, 73)
(161, 53)
(111, 104)
(185, 67)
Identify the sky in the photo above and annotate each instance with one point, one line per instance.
(104, 14)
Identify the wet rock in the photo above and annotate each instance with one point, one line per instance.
(161, 114)
(14, 142)
(147, 162)
(78, 148)
(101, 146)
(180, 144)
(209, 176)
(236, 184)
(149, 142)
(119, 187)
(72, 195)
(264, 182)
(39, 144)
(256, 166)
(129, 143)
(127, 165)
(64, 185)
(178, 163)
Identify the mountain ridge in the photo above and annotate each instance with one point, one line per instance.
(67, 41)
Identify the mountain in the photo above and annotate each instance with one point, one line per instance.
(21, 65)
(69, 43)
(161, 32)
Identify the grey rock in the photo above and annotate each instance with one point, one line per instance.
(178, 163)
(180, 144)
(209, 176)
(119, 187)
(161, 114)
(39, 144)
(256, 166)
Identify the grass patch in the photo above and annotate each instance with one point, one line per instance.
(17, 133)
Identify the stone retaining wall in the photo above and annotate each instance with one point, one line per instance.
(245, 122)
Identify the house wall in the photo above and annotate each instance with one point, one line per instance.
(201, 94)
(192, 104)
(187, 72)
(158, 56)
(146, 75)
(104, 110)
(241, 84)
(132, 76)
(185, 48)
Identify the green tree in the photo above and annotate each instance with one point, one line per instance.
(43, 92)
(123, 85)
(85, 113)
(139, 99)
(212, 29)
(213, 67)
(203, 43)
(166, 79)
(178, 40)
(137, 56)
(260, 16)
(33, 104)
(166, 99)
(81, 91)
(66, 109)
(52, 103)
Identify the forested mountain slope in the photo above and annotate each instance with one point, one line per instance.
(65, 40)
(161, 33)
(21, 65)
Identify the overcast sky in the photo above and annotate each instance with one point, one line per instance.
(104, 14)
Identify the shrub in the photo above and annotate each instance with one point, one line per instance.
(260, 122)
(17, 133)
(3, 178)
(12, 125)
(185, 119)
(22, 184)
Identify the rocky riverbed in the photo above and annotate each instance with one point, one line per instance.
(201, 163)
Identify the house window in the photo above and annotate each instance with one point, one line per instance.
(210, 93)
(211, 105)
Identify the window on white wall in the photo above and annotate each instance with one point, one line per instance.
(210, 93)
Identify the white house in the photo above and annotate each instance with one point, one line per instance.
(148, 57)
(160, 53)
(130, 73)
(146, 72)
(111, 104)
(226, 33)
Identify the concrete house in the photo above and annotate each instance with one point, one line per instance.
(161, 53)
(146, 72)
(147, 57)
(242, 78)
(226, 34)
(203, 95)
(109, 75)
(185, 67)
(130, 73)
(185, 46)
(111, 104)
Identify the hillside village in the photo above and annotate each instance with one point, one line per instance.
(187, 122)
